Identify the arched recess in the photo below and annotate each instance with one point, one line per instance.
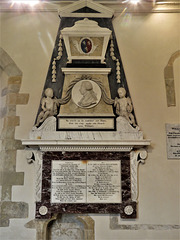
(11, 77)
(71, 227)
(169, 80)
(62, 226)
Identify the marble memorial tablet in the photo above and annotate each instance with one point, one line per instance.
(86, 123)
(173, 140)
(86, 182)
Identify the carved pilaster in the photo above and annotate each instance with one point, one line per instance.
(136, 157)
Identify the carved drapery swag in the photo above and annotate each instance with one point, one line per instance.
(67, 97)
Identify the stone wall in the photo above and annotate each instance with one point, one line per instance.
(11, 78)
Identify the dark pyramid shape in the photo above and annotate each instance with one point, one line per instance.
(86, 10)
(58, 85)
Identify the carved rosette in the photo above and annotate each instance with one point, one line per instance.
(136, 157)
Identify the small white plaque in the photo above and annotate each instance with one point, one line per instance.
(85, 123)
(173, 140)
(86, 182)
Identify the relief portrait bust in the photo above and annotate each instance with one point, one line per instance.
(89, 97)
(86, 94)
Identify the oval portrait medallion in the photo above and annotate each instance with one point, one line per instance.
(86, 45)
(86, 94)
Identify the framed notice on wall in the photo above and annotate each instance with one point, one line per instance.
(173, 141)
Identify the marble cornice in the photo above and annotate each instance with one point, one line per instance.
(103, 145)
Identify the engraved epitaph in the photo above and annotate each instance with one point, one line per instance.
(68, 182)
(173, 140)
(86, 182)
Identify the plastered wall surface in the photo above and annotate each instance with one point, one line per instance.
(146, 43)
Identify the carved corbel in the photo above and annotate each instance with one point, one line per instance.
(30, 155)
(35, 156)
(136, 157)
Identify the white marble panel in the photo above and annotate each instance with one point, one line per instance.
(86, 181)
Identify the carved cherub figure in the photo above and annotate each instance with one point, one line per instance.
(124, 106)
(48, 105)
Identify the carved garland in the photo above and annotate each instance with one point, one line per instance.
(60, 51)
(67, 98)
(118, 74)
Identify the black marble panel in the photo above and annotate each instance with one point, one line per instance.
(48, 156)
(125, 180)
(85, 10)
(84, 208)
(58, 85)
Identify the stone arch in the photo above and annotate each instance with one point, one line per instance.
(11, 77)
(71, 226)
(43, 231)
(169, 80)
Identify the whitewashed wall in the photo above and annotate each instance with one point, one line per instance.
(146, 43)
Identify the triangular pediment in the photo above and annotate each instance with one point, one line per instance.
(86, 8)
